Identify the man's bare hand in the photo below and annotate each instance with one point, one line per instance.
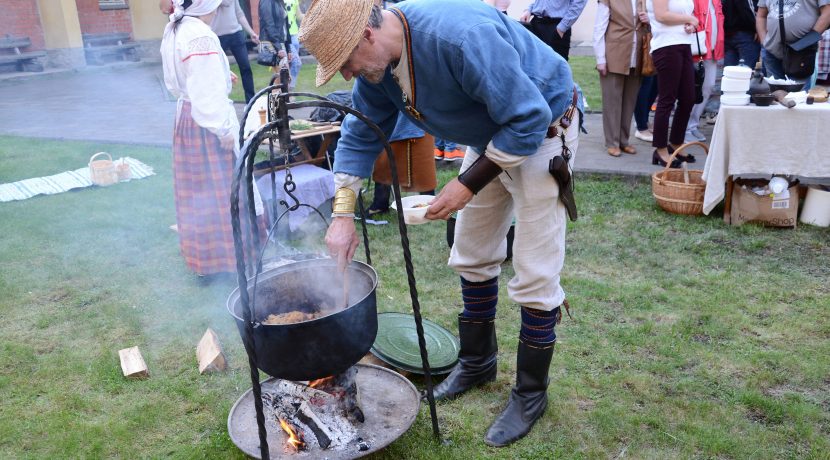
(602, 69)
(525, 17)
(342, 241)
(561, 33)
(453, 197)
(234, 78)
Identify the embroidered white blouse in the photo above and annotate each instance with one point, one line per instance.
(196, 70)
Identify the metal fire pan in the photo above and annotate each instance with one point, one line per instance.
(389, 401)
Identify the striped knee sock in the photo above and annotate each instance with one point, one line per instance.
(538, 327)
(480, 299)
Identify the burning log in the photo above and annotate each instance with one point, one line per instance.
(344, 388)
(290, 409)
(309, 419)
(209, 353)
(324, 413)
(295, 436)
(285, 417)
(132, 364)
(303, 392)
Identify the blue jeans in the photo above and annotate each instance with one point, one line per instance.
(235, 42)
(772, 65)
(741, 45)
(446, 146)
(645, 97)
(296, 62)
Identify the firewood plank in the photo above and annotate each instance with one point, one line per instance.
(307, 416)
(132, 363)
(209, 353)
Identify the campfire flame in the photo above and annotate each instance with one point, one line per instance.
(293, 439)
(318, 382)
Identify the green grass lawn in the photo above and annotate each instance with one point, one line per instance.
(583, 68)
(690, 338)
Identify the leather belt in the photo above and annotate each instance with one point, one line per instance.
(561, 125)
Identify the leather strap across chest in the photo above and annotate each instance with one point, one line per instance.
(409, 103)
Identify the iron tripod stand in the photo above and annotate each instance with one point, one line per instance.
(278, 128)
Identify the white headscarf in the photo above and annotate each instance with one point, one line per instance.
(168, 41)
(168, 45)
(197, 8)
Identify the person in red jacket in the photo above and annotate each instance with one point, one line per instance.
(710, 15)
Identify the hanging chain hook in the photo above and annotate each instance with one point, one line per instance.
(284, 136)
(289, 188)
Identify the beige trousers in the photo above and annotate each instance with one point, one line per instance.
(529, 193)
(619, 96)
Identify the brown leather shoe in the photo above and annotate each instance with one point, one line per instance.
(629, 149)
(613, 151)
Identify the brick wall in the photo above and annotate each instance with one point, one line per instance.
(20, 18)
(94, 20)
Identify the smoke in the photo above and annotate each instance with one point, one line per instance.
(310, 286)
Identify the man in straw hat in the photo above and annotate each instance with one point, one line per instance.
(462, 71)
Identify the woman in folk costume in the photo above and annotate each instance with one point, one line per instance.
(205, 138)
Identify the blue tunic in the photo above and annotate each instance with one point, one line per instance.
(478, 75)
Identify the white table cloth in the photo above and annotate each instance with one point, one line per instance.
(766, 140)
(314, 187)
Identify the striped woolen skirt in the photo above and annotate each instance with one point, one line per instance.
(202, 176)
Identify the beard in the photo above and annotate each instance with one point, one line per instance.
(373, 74)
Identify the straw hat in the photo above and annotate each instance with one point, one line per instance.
(330, 31)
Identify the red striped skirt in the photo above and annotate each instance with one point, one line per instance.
(202, 177)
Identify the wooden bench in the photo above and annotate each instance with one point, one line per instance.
(24, 62)
(101, 48)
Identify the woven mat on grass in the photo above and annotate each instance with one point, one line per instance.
(64, 181)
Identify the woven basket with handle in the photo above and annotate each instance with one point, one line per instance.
(102, 171)
(679, 191)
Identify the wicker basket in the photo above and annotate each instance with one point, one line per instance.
(102, 172)
(123, 171)
(679, 191)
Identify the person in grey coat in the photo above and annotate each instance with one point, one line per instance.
(272, 25)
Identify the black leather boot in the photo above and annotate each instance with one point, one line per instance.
(528, 400)
(476, 359)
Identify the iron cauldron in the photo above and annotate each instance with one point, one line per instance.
(320, 347)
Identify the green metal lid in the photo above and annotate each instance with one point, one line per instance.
(397, 344)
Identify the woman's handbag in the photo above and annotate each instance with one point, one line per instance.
(700, 75)
(267, 54)
(646, 63)
(647, 68)
(415, 164)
